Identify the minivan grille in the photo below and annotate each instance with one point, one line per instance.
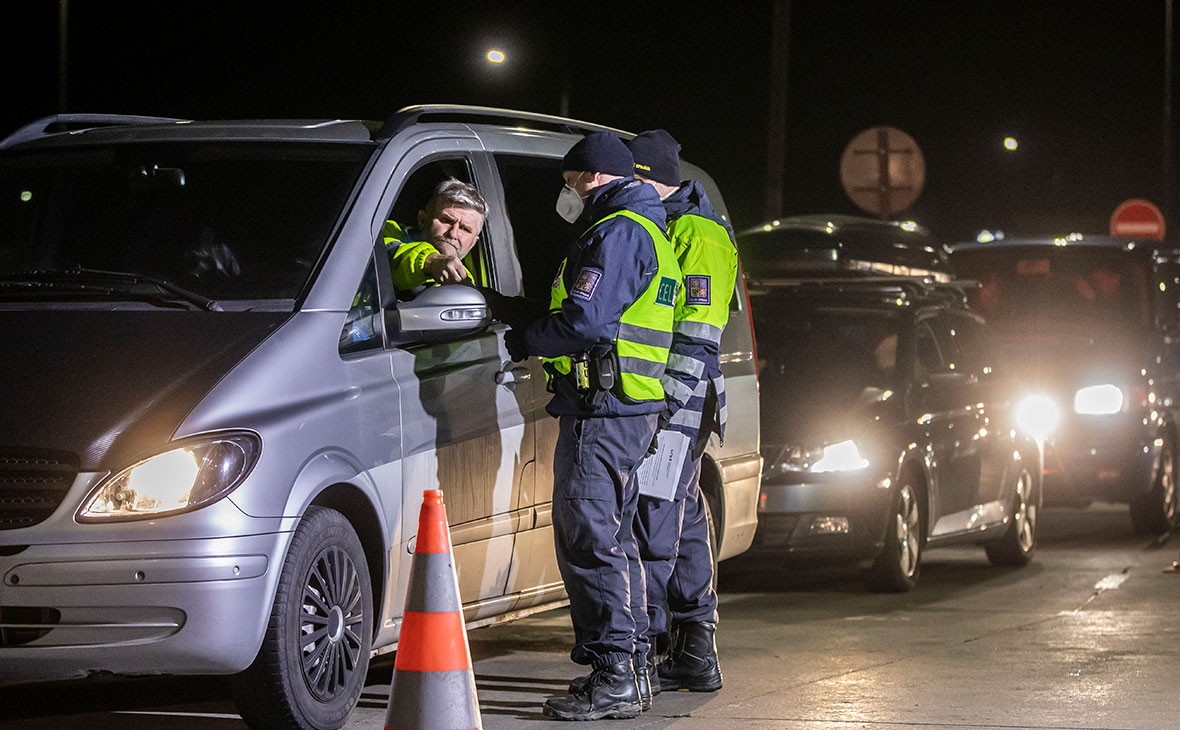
(33, 482)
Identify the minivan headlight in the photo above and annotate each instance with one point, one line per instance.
(1098, 400)
(180, 480)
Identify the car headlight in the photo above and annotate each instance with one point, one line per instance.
(842, 456)
(1098, 400)
(1037, 415)
(181, 480)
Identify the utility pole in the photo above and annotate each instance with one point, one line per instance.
(63, 61)
(776, 122)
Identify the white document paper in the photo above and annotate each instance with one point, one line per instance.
(659, 473)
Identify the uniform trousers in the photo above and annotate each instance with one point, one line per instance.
(595, 498)
(677, 557)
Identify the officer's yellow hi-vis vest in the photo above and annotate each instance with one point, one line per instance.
(645, 329)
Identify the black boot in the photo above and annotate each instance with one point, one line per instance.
(607, 692)
(643, 677)
(646, 680)
(692, 660)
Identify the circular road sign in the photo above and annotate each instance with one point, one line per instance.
(882, 170)
(1137, 218)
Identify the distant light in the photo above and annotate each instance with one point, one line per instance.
(496, 56)
(767, 227)
(909, 226)
(26, 196)
(985, 236)
(1074, 237)
(778, 223)
(1010, 143)
(1060, 242)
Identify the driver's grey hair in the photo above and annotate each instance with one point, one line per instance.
(454, 193)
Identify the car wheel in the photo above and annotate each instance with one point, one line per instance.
(1156, 511)
(1019, 541)
(896, 567)
(315, 653)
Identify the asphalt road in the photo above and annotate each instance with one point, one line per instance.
(1087, 637)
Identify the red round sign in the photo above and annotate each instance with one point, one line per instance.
(1137, 218)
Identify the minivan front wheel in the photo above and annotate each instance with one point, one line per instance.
(896, 567)
(315, 653)
(1157, 511)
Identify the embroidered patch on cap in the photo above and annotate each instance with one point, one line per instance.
(587, 282)
(698, 289)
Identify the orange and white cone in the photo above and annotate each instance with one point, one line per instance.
(433, 683)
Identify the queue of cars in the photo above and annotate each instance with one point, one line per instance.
(901, 413)
(216, 435)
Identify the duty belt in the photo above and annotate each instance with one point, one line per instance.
(591, 377)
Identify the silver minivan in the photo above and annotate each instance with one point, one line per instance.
(218, 418)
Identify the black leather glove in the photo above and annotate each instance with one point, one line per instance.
(516, 312)
(514, 343)
(662, 422)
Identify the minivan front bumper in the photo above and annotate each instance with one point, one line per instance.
(196, 606)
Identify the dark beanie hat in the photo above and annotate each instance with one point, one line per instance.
(600, 152)
(657, 156)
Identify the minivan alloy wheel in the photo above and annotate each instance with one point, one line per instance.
(1156, 511)
(330, 623)
(896, 567)
(1019, 540)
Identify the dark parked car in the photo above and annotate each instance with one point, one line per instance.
(886, 429)
(1093, 321)
(827, 245)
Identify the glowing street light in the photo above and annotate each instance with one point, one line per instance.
(496, 56)
(1010, 143)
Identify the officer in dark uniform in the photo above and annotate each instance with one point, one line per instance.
(674, 534)
(605, 340)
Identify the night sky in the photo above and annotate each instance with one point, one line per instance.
(1079, 85)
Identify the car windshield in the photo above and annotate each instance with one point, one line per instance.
(223, 221)
(825, 354)
(1074, 288)
(785, 252)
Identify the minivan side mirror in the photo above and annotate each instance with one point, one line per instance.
(440, 311)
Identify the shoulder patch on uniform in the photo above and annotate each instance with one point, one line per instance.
(698, 289)
(586, 283)
(666, 294)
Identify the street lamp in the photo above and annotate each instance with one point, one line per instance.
(1010, 144)
(496, 56)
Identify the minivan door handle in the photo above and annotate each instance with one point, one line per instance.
(512, 375)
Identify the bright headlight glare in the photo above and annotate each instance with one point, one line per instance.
(842, 456)
(1037, 415)
(180, 480)
(1098, 400)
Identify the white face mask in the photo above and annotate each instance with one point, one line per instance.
(569, 204)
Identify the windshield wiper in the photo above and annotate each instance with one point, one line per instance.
(78, 276)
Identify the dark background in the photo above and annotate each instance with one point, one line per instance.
(1080, 85)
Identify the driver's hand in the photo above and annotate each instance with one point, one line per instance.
(445, 269)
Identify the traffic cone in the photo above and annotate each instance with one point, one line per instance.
(433, 684)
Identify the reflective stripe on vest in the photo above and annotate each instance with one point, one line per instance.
(645, 329)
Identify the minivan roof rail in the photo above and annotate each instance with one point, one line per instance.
(42, 127)
(410, 115)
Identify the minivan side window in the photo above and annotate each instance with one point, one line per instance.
(540, 236)
(930, 357)
(413, 197)
(360, 332)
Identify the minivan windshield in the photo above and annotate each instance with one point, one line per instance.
(191, 221)
(1071, 288)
